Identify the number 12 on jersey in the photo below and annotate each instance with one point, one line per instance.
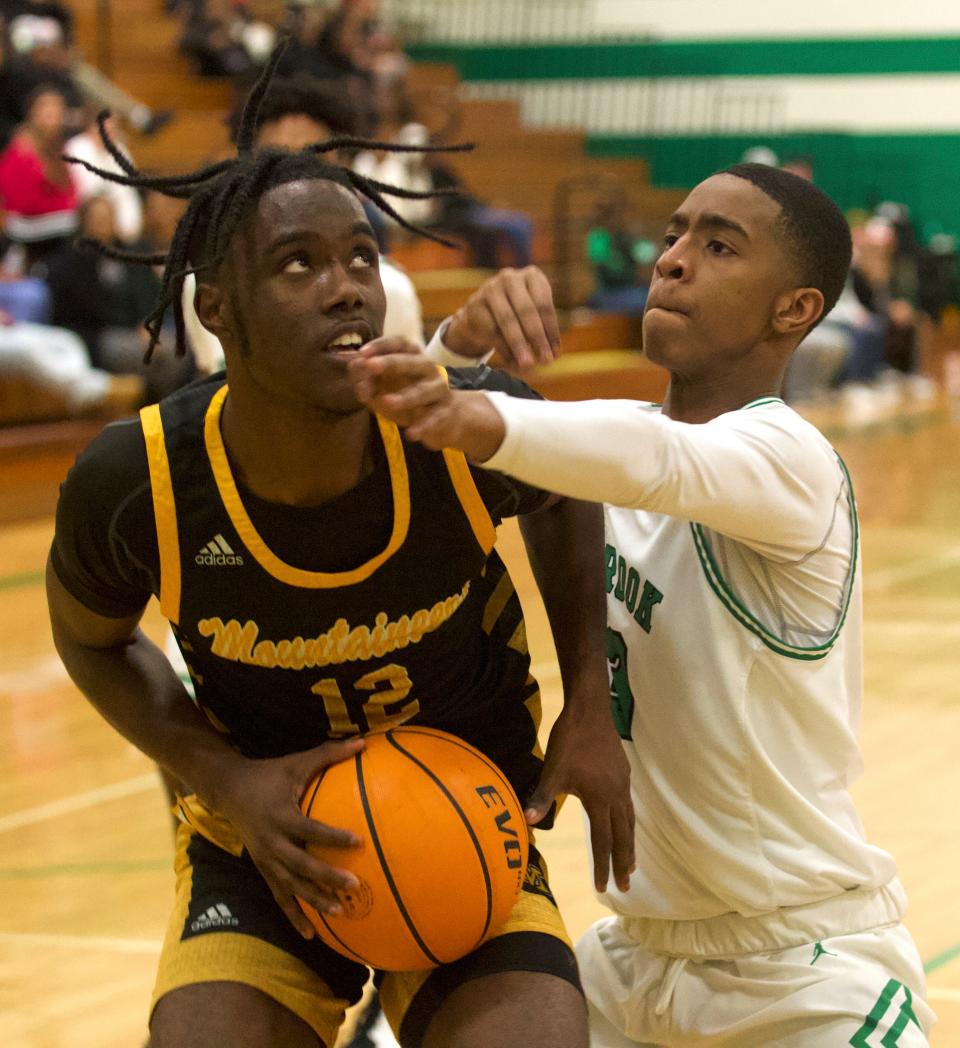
(380, 702)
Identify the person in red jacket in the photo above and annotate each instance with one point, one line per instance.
(37, 191)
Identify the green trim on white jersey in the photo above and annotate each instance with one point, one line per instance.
(760, 401)
(737, 609)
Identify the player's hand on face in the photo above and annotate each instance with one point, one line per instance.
(262, 802)
(394, 379)
(585, 758)
(512, 313)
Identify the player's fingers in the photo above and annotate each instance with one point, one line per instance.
(412, 400)
(286, 885)
(293, 913)
(296, 874)
(601, 838)
(387, 374)
(431, 429)
(528, 315)
(542, 295)
(297, 827)
(389, 345)
(310, 763)
(511, 339)
(541, 800)
(623, 845)
(304, 872)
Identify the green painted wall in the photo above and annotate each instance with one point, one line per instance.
(856, 170)
(641, 58)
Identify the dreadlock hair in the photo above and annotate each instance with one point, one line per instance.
(815, 232)
(220, 196)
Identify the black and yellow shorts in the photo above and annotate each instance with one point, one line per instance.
(226, 926)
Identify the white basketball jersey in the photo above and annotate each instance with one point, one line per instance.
(734, 643)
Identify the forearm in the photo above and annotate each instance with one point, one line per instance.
(752, 480)
(136, 691)
(570, 533)
(584, 755)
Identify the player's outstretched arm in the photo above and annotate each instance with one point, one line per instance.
(130, 682)
(584, 755)
(750, 478)
(511, 314)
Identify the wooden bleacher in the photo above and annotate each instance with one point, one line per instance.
(34, 459)
(611, 374)
(513, 167)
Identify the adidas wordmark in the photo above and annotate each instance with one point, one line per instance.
(218, 552)
(218, 916)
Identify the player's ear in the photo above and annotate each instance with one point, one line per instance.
(796, 311)
(213, 309)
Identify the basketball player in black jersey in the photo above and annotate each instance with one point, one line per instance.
(324, 579)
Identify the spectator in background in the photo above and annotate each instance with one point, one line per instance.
(224, 39)
(496, 236)
(21, 75)
(867, 345)
(760, 155)
(299, 110)
(801, 166)
(127, 204)
(903, 289)
(403, 170)
(847, 349)
(40, 34)
(37, 190)
(872, 284)
(23, 298)
(104, 301)
(621, 260)
(56, 360)
(333, 46)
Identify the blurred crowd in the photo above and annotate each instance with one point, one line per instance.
(70, 319)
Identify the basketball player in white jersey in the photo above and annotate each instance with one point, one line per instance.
(759, 915)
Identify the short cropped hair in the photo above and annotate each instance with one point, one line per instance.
(815, 230)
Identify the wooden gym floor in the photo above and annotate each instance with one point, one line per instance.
(85, 843)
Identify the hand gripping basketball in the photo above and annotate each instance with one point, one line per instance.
(261, 801)
(443, 854)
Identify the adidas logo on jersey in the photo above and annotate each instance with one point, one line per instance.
(218, 916)
(218, 552)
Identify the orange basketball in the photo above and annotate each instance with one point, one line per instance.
(444, 849)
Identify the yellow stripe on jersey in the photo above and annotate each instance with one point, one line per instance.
(250, 537)
(534, 705)
(164, 512)
(473, 505)
(192, 812)
(502, 593)
(466, 489)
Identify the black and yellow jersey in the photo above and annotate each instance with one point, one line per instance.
(384, 605)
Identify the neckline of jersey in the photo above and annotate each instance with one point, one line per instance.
(760, 401)
(251, 538)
